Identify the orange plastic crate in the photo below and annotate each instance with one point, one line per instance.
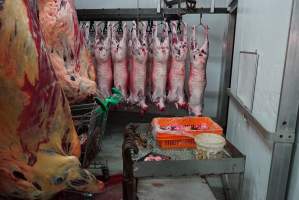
(167, 140)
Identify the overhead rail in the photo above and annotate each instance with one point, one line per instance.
(170, 3)
(129, 14)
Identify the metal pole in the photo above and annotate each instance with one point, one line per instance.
(158, 6)
(226, 70)
(287, 114)
(137, 12)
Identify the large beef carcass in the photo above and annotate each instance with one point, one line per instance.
(179, 50)
(39, 145)
(119, 54)
(198, 78)
(159, 67)
(67, 49)
(139, 53)
(103, 59)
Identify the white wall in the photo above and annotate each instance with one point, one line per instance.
(217, 25)
(262, 26)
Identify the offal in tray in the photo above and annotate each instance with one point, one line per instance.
(193, 127)
(154, 157)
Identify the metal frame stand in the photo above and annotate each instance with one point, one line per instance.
(227, 62)
(135, 169)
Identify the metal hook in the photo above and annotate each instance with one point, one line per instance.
(200, 21)
(149, 27)
(92, 28)
(179, 27)
(191, 4)
(120, 28)
(201, 24)
(169, 25)
(105, 27)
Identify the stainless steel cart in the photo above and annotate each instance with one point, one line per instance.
(182, 162)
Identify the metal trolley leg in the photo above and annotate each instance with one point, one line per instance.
(129, 183)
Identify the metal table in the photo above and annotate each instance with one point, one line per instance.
(183, 162)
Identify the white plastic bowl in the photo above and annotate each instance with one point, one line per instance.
(209, 143)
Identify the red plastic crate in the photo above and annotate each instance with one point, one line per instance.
(167, 140)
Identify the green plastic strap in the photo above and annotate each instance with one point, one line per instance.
(115, 99)
(102, 107)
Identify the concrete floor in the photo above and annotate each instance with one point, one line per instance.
(189, 188)
(112, 151)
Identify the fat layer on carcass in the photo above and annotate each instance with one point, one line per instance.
(139, 54)
(67, 50)
(197, 80)
(119, 54)
(102, 52)
(176, 77)
(159, 67)
(39, 145)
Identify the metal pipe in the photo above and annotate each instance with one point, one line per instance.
(137, 12)
(212, 6)
(158, 6)
(269, 136)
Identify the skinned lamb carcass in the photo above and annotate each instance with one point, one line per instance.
(149, 64)
(39, 147)
(119, 54)
(198, 80)
(103, 58)
(68, 52)
(85, 32)
(179, 50)
(88, 41)
(159, 67)
(139, 53)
